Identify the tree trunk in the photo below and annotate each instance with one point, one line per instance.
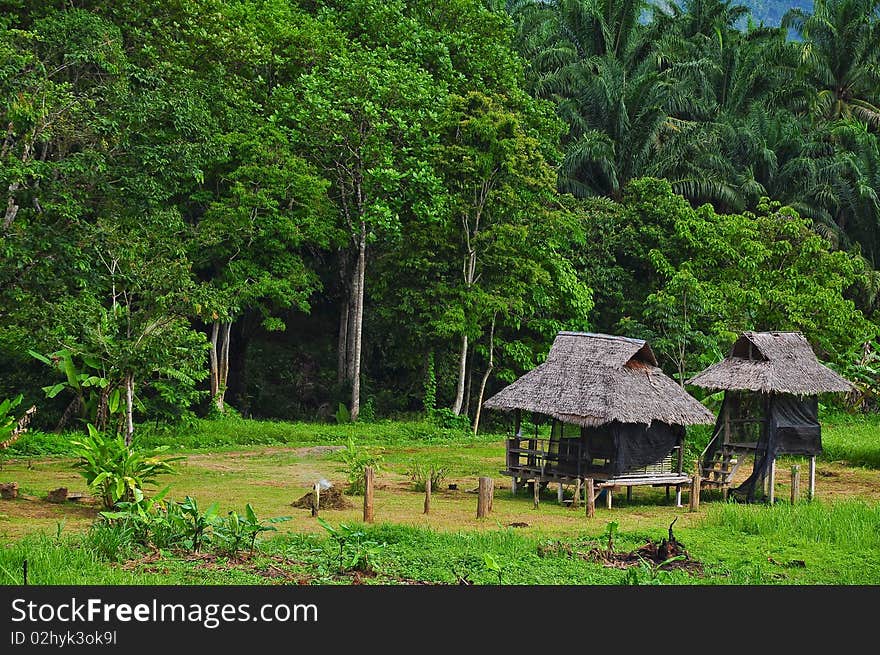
(486, 375)
(355, 408)
(129, 409)
(221, 335)
(462, 370)
(353, 296)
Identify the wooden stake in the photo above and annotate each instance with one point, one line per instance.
(316, 499)
(428, 494)
(484, 497)
(772, 491)
(812, 477)
(368, 494)
(695, 489)
(591, 499)
(576, 501)
(536, 491)
(795, 484)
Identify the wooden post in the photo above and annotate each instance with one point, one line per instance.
(316, 498)
(428, 493)
(368, 494)
(591, 499)
(608, 493)
(484, 497)
(536, 491)
(629, 494)
(576, 501)
(772, 491)
(678, 495)
(560, 493)
(491, 494)
(695, 489)
(513, 486)
(795, 484)
(812, 477)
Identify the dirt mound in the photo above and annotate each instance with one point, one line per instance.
(331, 498)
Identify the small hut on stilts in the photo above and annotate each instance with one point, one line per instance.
(771, 383)
(615, 417)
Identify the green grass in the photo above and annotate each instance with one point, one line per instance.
(234, 433)
(836, 543)
(852, 439)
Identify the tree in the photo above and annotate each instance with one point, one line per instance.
(364, 121)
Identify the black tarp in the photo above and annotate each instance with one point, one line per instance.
(634, 445)
(777, 424)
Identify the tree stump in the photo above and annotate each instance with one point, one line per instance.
(58, 495)
(9, 491)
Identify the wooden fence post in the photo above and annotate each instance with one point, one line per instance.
(484, 497)
(591, 499)
(695, 489)
(316, 498)
(368, 494)
(428, 494)
(795, 484)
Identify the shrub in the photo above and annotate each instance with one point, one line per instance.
(356, 460)
(449, 420)
(419, 473)
(117, 472)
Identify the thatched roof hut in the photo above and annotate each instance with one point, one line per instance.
(772, 362)
(595, 379)
(771, 383)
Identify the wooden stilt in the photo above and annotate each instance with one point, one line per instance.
(795, 484)
(812, 477)
(608, 492)
(667, 492)
(772, 491)
(536, 490)
(513, 486)
(591, 499)
(560, 493)
(678, 495)
(629, 493)
(576, 501)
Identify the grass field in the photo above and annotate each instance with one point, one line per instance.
(832, 541)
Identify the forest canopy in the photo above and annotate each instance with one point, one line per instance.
(276, 208)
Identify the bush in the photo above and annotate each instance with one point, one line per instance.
(449, 420)
(115, 471)
(419, 473)
(356, 460)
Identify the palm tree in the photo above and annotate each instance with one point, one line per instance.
(841, 58)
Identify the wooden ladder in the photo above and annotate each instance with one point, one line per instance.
(720, 469)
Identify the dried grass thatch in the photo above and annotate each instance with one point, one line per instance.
(593, 379)
(772, 362)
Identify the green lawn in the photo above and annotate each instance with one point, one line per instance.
(835, 540)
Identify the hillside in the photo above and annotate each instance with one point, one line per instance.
(770, 12)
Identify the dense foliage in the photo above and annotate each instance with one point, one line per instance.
(395, 205)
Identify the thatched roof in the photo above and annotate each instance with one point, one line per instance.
(772, 362)
(592, 379)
